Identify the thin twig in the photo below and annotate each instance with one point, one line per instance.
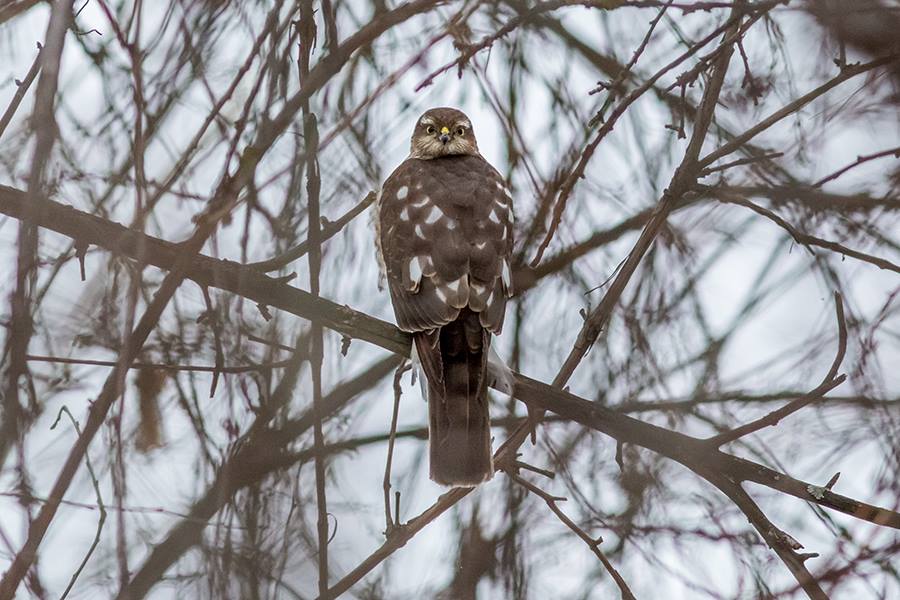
(592, 544)
(807, 240)
(96, 483)
(829, 382)
(212, 317)
(792, 107)
(895, 152)
(740, 162)
(146, 510)
(391, 523)
(273, 344)
(329, 230)
(626, 72)
(21, 90)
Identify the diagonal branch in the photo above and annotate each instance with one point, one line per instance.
(594, 545)
(895, 152)
(785, 546)
(328, 231)
(578, 172)
(684, 177)
(810, 240)
(792, 107)
(100, 506)
(21, 90)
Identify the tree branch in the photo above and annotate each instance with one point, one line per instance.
(592, 544)
(831, 381)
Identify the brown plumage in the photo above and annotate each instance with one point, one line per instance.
(445, 238)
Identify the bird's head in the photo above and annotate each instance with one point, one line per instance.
(443, 132)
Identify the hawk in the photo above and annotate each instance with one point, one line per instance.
(444, 228)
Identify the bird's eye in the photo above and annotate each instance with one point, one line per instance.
(460, 131)
(429, 130)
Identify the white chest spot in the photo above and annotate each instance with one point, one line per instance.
(402, 193)
(415, 269)
(506, 275)
(433, 215)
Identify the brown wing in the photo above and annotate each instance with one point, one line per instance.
(445, 234)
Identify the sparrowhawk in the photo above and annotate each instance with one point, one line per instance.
(444, 228)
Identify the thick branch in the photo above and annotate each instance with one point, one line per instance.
(785, 546)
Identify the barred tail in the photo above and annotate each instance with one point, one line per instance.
(454, 359)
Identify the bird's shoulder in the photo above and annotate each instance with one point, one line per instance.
(464, 179)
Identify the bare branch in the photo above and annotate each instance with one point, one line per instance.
(592, 544)
(810, 240)
(831, 381)
(21, 90)
(100, 505)
(895, 152)
(792, 107)
(328, 231)
(389, 521)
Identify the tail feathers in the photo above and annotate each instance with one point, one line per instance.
(455, 361)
